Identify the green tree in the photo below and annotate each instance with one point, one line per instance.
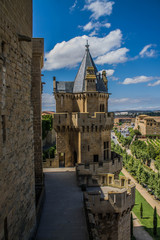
(157, 163)
(157, 188)
(155, 222)
(139, 172)
(151, 151)
(141, 210)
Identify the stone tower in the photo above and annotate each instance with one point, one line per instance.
(82, 122)
(83, 126)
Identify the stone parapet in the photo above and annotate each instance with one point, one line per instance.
(90, 173)
(120, 194)
(108, 208)
(83, 121)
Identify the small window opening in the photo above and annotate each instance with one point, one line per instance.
(4, 128)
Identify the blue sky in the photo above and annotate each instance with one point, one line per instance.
(124, 40)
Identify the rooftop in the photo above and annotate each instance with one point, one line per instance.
(78, 86)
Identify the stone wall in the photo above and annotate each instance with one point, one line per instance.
(17, 176)
(93, 144)
(37, 64)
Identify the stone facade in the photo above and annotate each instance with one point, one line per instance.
(148, 125)
(82, 121)
(17, 121)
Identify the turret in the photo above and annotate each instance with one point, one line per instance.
(54, 84)
(105, 80)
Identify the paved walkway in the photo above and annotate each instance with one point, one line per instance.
(149, 198)
(139, 231)
(63, 216)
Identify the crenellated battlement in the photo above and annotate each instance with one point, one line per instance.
(118, 195)
(83, 121)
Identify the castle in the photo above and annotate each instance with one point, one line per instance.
(83, 126)
(21, 177)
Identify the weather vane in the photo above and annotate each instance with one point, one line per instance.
(87, 45)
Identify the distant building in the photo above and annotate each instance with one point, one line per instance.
(47, 113)
(148, 125)
(118, 120)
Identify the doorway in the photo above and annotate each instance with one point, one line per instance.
(75, 158)
(95, 158)
(61, 159)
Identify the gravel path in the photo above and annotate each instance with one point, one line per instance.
(139, 231)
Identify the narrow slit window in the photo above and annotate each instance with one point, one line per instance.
(4, 128)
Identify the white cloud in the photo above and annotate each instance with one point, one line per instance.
(95, 25)
(154, 84)
(109, 72)
(126, 103)
(88, 26)
(48, 102)
(94, 33)
(138, 79)
(70, 53)
(107, 25)
(113, 57)
(99, 8)
(147, 51)
(73, 6)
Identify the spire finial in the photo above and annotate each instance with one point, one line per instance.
(87, 45)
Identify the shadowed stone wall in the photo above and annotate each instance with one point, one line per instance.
(17, 176)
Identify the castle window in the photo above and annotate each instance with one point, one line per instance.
(106, 150)
(95, 158)
(4, 128)
(96, 128)
(87, 128)
(88, 148)
(83, 128)
(101, 107)
(92, 129)
(122, 182)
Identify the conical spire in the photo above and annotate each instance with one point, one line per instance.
(79, 82)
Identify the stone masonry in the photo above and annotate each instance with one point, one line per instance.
(37, 64)
(18, 134)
